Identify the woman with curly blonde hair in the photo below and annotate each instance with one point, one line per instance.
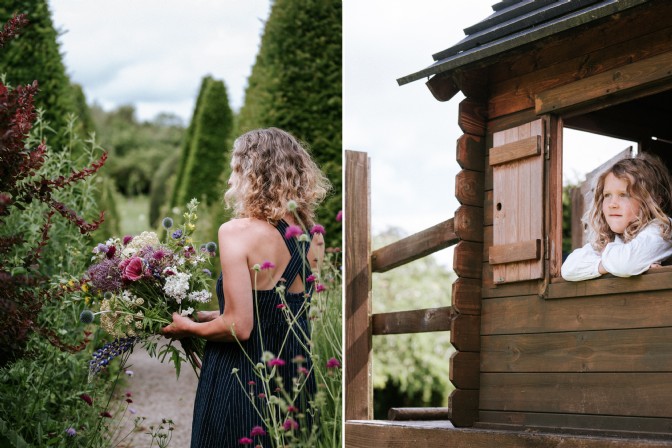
(266, 260)
(629, 220)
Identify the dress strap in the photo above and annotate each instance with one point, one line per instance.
(298, 263)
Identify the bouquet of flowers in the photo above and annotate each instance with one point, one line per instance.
(138, 282)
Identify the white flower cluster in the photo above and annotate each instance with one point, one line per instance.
(177, 285)
(200, 296)
(142, 240)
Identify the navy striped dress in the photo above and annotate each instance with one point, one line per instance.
(223, 409)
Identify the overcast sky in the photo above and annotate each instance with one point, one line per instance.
(154, 53)
(409, 136)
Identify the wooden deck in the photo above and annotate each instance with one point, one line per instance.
(389, 434)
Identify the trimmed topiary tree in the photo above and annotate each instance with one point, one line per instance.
(212, 125)
(296, 85)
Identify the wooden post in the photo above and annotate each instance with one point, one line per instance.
(358, 388)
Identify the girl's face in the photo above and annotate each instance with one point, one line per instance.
(618, 207)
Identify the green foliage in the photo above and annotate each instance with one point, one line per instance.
(410, 369)
(136, 149)
(85, 125)
(186, 144)
(295, 85)
(36, 56)
(567, 218)
(162, 184)
(212, 126)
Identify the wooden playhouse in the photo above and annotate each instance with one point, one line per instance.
(539, 361)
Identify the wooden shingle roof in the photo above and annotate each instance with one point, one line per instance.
(515, 23)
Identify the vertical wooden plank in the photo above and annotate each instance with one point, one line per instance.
(358, 390)
(518, 207)
(553, 223)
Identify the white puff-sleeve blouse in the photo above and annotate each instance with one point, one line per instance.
(619, 258)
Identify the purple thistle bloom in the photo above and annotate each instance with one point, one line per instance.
(310, 278)
(293, 231)
(127, 239)
(267, 265)
(276, 362)
(177, 234)
(333, 363)
(257, 431)
(87, 398)
(317, 229)
(71, 432)
(102, 248)
(320, 287)
(290, 424)
(339, 216)
(207, 272)
(245, 441)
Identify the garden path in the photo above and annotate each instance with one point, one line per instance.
(157, 394)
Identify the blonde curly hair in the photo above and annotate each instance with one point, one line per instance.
(269, 168)
(649, 183)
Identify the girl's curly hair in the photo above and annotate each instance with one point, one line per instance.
(649, 183)
(269, 168)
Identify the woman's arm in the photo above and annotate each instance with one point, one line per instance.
(237, 320)
(637, 256)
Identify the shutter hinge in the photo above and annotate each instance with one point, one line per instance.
(547, 248)
(547, 148)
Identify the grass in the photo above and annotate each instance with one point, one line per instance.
(134, 214)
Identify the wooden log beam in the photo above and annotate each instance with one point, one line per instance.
(358, 390)
(414, 247)
(463, 406)
(404, 414)
(467, 296)
(634, 75)
(469, 186)
(465, 333)
(472, 117)
(465, 370)
(467, 259)
(470, 153)
(414, 321)
(469, 223)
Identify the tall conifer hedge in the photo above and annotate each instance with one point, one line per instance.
(36, 56)
(295, 85)
(211, 127)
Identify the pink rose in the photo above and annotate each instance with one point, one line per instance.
(131, 269)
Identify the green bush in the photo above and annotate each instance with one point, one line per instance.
(295, 85)
(211, 131)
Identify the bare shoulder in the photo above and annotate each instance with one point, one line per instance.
(243, 229)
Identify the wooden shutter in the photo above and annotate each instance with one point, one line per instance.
(517, 160)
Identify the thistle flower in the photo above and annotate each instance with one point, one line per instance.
(106, 414)
(310, 278)
(333, 363)
(71, 432)
(339, 216)
(320, 287)
(127, 239)
(86, 316)
(317, 229)
(293, 231)
(276, 362)
(267, 265)
(245, 441)
(167, 223)
(290, 424)
(177, 234)
(257, 431)
(211, 247)
(207, 272)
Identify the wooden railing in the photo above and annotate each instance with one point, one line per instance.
(461, 319)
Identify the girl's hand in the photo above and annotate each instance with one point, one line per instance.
(180, 328)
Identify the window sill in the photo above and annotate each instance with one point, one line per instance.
(654, 280)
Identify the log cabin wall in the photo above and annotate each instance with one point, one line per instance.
(594, 355)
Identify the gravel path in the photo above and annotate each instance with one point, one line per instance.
(156, 395)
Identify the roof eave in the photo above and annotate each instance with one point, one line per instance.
(488, 50)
